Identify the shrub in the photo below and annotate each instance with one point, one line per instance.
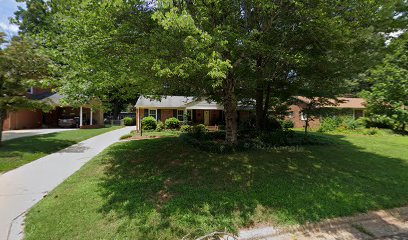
(160, 126)
(349, 123)
(126, 136)
(287, 124)
(273, 124)
(149, 123)
(329, 124)
(128, 121)
(370, 131)
(199, 130)
(378, 121)
(185, 128)
(172, 123)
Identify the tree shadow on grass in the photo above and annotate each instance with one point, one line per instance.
(164, 186)
(16, 152)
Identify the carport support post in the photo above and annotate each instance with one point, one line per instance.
(80, 116)
(90, 123)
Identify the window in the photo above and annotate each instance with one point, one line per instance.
(30, 90)
(290, 114)
(153, 113)
(303, 116)
(180, 115)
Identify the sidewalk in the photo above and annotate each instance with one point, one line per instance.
(22, 188)
(385, 224)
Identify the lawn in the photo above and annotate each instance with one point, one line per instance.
(17, 152)
(164, 189)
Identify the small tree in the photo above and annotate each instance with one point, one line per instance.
(21, 67)
(315, 107)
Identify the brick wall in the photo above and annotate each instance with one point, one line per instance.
(23, 119)
(296, 117)
(165, 114)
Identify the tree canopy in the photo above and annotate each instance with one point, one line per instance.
(228, 50)
(21, 67)
(387, 97)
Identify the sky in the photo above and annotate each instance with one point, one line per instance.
(7, 9)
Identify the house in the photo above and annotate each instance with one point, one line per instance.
(353, 107)
(193, 110)
(36, 118)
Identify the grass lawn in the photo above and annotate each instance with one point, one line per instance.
(164, 189)
(17, 152)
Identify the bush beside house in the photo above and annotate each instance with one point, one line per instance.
(172, 123)
(149, 123)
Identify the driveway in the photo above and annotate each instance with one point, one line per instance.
(8, 135)
(22, 188)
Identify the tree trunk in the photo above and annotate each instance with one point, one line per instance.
(266, 105)
(259, 106)
(230, 107)
(306, 125)
(3, 114)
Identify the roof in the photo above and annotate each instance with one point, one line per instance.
(54, 99)
(184, 102)
(351, 103)
(341, 102)
(164, 102)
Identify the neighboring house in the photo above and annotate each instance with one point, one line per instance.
(194, 111)
(28, 119)
(353, 107)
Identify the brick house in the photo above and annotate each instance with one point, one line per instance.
(36, 118)
(197, 111)
(353, 107)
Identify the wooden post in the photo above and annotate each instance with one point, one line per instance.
(80, 117)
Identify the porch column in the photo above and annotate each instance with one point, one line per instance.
(80, 116)
(90, 121)
(185, 116)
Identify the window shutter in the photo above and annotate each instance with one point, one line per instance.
(158, 114)
(175, 113)
(146, 112)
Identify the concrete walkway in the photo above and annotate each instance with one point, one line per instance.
(23, 187)
(385, 224)
(8, 135)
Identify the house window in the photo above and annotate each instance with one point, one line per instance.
(30, 90)
(153, 113)
(290, 114)
(303, 116)
(180, 115)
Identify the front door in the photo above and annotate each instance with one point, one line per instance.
(206, 118)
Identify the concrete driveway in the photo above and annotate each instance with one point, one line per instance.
(8, 135)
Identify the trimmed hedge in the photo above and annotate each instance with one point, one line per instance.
(149, 123)
(128, 121)
(172, 123)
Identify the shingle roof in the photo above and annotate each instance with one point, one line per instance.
(341, 103)
(351, 103)
(165, 101)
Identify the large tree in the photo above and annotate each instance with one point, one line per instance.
(21, 67)
(225, 50)
(387, 97)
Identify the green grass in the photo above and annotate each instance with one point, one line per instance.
(17, 152)
(163, 189)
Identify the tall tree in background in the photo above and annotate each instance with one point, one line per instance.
(387, 97)
(270, 50)
(226, 50)
(21, 67)
(97, 46)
